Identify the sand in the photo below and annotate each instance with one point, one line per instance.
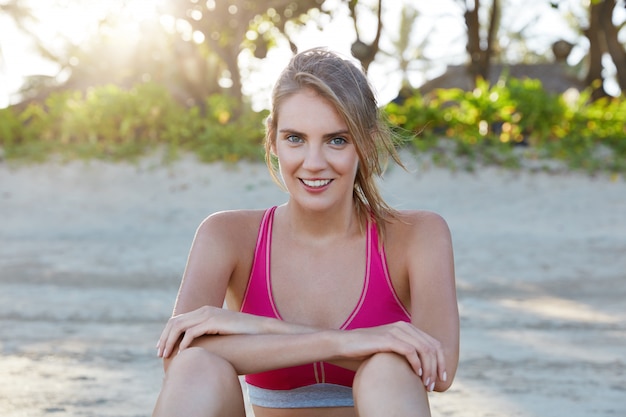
(91, 256)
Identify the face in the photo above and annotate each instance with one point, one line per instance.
(316, 154)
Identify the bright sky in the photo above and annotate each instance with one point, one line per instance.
(75, 20)
(440, 20)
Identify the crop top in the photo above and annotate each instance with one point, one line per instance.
(318, 384)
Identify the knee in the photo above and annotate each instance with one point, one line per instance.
(384, 371)
(198, 382)
(380, 367)
(196, 365)
(385, 384)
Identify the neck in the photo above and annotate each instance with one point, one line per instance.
(321, 225)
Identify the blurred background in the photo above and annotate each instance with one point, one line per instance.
(110, 79)
(513, 110)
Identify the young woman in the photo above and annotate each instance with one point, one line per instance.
(338, 305)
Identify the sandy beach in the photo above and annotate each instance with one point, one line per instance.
(91, 256)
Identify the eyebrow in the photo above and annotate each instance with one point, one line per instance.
(330, 135)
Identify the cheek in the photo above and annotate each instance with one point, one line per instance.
(287, 162)
(283, 154)
(353, 165)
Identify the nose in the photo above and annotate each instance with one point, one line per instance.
(314, 158)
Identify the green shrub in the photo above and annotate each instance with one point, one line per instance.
(108, 122)
(502, 123)
(221, 139)
(11, 128)
(499, 124)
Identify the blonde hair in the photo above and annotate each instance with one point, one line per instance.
(346, 87)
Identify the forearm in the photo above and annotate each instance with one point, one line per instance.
(255, 344)
(272, 326)
(264, 352)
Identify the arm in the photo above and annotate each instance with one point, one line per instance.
(248, 342)
(434, 307)
(216, 265)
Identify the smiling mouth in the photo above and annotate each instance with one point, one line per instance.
(315, 183)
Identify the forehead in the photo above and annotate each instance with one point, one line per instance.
(308, 110)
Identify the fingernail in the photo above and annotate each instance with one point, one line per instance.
(165, 353)
(432, 387)
(445, 376)
(420, 372)
(158, 344)
(427, 381)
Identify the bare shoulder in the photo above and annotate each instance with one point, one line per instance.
(230, 235)
(232, 224)
(413, 226)
(419, 254)
(221, 252)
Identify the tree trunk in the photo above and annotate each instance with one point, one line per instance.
(594, 77)
(491, 36)
(473, 41)
(360, 50)
(481, 53)
(613, 45)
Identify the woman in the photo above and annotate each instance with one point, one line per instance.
(338, 305)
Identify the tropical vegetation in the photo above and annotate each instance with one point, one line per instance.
(181, 88)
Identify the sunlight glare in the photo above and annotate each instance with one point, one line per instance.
(559, 308)
(142, 10)
(78, 21)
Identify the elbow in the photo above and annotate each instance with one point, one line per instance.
(442, 386)
(451, 354)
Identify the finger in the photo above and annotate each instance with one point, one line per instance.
(441, 365)
(195, 331)
(425, 349)
(415, 360)
(409, 352)
(190, 335)
(399, 345)
(430, 357)
(421, 345)
(172, 333)
(163, 339)
(436, 363)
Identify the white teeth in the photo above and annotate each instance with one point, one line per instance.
(316, 183)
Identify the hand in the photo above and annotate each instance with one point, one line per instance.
(423, 352)
(205, 320)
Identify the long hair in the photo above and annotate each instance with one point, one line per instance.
(346, 87)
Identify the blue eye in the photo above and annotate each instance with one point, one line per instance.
(338, 141)
(293, 139)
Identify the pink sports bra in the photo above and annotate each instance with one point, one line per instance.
(377, 305)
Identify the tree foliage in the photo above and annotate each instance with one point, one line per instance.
(228, 26)
(599, 27)
(197, 53)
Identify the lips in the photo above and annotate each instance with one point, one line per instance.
(315, 183)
